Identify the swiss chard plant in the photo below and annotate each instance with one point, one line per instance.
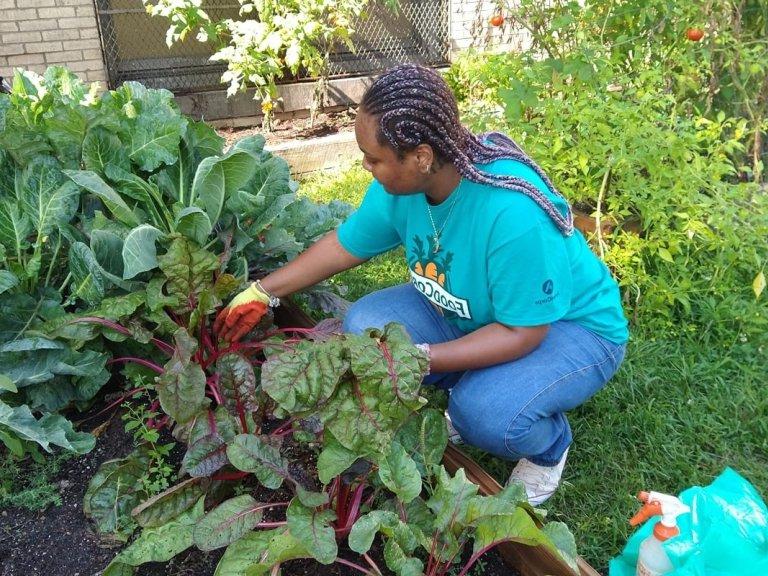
(258, 417)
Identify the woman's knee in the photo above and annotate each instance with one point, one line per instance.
(374, 310)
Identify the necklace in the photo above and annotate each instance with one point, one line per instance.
(448, 217)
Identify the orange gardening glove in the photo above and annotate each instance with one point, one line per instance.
(242, 314)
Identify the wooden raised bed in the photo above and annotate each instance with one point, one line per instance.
(526, 560)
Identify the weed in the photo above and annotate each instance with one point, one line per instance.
(29, 483)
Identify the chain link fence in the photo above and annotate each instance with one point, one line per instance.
(135, 49)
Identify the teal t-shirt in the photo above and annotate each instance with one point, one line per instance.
(500, 258)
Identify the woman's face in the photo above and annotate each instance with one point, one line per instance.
(408, 175)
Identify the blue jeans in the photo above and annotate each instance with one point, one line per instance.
(515, 409)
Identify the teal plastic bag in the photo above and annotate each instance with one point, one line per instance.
(726, 533)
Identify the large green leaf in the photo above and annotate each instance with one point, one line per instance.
(150, 123)
(107, 248)
(228, 522)
(425, 437)
(563, 539)
(139, 250)
(50, 429)
(8, 280)
(312, 527)
(389, 524)
(257, 552)
(47, 197)
(450, 500)
(114, 491)
(15, 227)
(251, 453)
(100, 148)
(194, 223)
(112, 200)
(334, 459)
(162, 543)
(164, 507)
(199, 141)
(304, 378)
(217, 178)
(87, 280)
(399, 473)
(181, 387)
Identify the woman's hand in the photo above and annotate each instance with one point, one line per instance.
(242, 314)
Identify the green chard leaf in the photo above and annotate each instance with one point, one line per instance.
(302, 379)
(334, 459)
(113, 492)
(182, 386)
(257, 552)
(189, 270)
(312, 527)
(399, 473)
(237, 383)
(169, 504)
(228, 522)
(251, 453)
(162, 543)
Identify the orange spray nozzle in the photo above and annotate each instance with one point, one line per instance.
(648, 510)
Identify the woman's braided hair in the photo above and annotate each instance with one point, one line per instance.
(415, 106)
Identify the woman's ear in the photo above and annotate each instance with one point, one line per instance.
(425, 157)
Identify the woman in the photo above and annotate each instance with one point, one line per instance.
(520, 320)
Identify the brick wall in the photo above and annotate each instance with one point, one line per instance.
(469, 27)
(35, 34)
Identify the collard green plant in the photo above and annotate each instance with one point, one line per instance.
(97, 194)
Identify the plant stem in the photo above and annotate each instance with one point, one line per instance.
(372, 564)
(599, 211)
(479, 553)
(53, 259)
(362, 569)
(66, 281)
(141, 361)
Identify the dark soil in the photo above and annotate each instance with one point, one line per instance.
(59, 541)
(293, 128)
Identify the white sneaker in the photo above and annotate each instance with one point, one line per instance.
(540, 481)
(453, 435)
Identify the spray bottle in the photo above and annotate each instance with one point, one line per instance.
(652, 559)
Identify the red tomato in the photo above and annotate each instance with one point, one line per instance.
(694, 34)
(497, 20)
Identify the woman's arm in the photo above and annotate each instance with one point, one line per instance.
(491, 344)
(320, 261)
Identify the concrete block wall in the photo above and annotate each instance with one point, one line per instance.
(35, 34)
(469, 27)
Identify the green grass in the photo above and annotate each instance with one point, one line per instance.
(28, 484)
(678, 413)
(350, 186)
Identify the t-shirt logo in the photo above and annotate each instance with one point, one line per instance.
(429, 270)
(548, 287)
